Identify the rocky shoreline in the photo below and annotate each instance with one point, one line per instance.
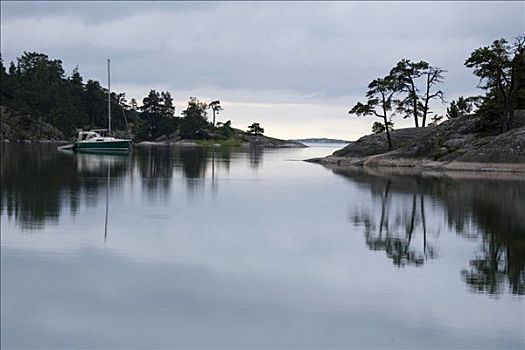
(257, 143)
(455, 145)
(245, 141)
(419, 164)
(22, 128)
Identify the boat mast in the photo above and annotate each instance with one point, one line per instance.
(109, 101)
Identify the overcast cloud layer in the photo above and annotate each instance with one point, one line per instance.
(295, 67)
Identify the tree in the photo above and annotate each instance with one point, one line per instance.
(224, 130)
(133, 104)
(5, 86)
(433, 76)
(75, 77)
(37, 86)
(435, 120)
(255, 129)
(459, 108)
(194, 118)
(168, 109)
(40, 84)
(31, 63)
(95, 100)
(216, 108)
(380, 97)
(501, 70)
(196, 109)
(158, 114)
(152, 103)
(12, 69)
(407, 74)
(378, 127)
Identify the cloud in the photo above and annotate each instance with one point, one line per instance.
(317, 52)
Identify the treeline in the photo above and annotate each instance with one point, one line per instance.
(410, 87)
(38, 87)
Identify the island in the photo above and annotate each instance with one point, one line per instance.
(41, 103)
(456, 144)
(482, 133)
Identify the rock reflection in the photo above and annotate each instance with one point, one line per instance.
(474, 206)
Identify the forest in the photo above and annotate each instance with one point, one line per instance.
(37, 93)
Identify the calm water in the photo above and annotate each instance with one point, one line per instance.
(240, 249)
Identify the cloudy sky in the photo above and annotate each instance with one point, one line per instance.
(295, 67)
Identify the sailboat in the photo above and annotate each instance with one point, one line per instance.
(94, 141)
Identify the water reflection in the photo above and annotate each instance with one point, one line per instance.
(107, 205)
(486, 209)
(158, 166)
(405, 218)
(255, 157)
(38, 182)
(497, 209)
(397, 228)
(264, 252)
(156, 169)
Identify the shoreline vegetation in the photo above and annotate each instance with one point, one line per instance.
(458, 144)
(482, 133)
(40, 102)
(504, 153)
(239, 139)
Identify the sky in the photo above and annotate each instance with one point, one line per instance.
(294, 67)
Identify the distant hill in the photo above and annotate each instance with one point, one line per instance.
(321, 140)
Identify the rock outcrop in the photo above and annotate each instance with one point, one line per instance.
(457, 144)
(268, 142)
(16, 126)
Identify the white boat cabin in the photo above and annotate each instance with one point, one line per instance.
(92, 136)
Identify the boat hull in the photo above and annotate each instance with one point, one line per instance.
(106, 146)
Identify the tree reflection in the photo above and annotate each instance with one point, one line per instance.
(194, 162)
(474, 207)
(223, 157)
(37, 181)
(255, 157)
(219, 158)
(498, 211)
(395, 234)
(156, 166)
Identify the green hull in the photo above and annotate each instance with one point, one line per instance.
(110, 146)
